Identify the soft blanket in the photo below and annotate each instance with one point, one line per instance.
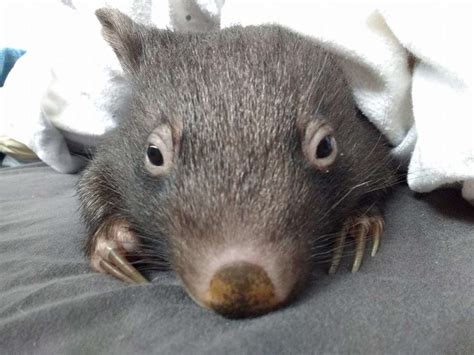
(414, 297)
(409, 66)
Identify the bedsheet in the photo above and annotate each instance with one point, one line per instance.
(415, 296)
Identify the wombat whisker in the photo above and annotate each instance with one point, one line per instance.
(154, 268)
(150, 262)
(344, 255)
(321, 243)
(144, 264)
(318, 244)
(150, 254)
(347, 251)
(321, 246)
(350, 240)
(422, 173)
(331, 250)
(342, 199)
(325, 236)
(150, 243)
(391, 184)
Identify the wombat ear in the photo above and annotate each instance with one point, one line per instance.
(124, 36)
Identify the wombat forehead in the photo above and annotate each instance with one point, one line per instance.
(238, 96)
(249, 73)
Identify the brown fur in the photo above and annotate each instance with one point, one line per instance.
(238, 100)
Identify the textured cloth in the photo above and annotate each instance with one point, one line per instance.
(424, 108)
(76, 94)
(414, 297)
(58, 93)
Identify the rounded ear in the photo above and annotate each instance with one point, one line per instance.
(124, 36)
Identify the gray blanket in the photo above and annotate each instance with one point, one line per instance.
(416, 296)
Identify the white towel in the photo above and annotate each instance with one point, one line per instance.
(68, 89)
(425, 111)
(441, 93)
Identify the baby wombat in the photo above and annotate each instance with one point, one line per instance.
(242, 157)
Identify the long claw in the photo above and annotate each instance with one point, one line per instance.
(120, 263)
(360, 229)
(375, 244)
(360, 239)
(112, 270)
(337, 255)
(376, 233)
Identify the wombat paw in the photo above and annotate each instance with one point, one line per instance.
(359, 228)
(112, 241)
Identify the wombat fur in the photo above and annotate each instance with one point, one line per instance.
(238, 102)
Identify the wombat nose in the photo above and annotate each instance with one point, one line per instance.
(241, 290)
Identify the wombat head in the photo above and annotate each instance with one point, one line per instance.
(239, 146)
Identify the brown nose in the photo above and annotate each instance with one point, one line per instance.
(241, 290)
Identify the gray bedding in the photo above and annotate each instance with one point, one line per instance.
(416, 296)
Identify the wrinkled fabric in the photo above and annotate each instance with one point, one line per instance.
(414, 297)
(409, 67)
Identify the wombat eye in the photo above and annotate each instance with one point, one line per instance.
(324, 148)
(154, 155)
(159, 151)
(319, 145)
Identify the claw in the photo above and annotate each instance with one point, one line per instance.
(360, 239)
(360, 228)
(111, 243)
(376, 231)
(375, 244)
(112, 270)
(338, 248)
(114, 261)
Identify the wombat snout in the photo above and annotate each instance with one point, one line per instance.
(241, 290)
(244, 281)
